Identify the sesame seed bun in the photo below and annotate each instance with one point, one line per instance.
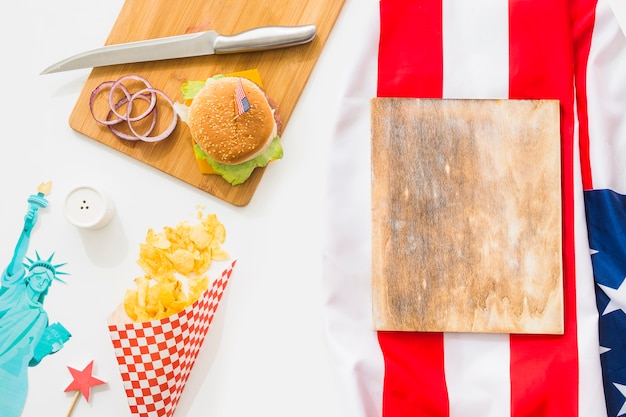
(223, 135)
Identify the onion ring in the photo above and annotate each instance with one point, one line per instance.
(168, 131)
(120, 84)
(96, 91)
(126, 136)
(115, 117)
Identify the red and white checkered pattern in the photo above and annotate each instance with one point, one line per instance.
(156, 357)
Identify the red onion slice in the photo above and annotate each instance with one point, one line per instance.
(92, 99)
(132, 136)
(119, 84)
(165, 133)
(115, 116)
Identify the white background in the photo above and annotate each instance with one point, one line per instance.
(267, 352)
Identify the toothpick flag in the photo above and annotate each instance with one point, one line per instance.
(82, 383)
(243, 105)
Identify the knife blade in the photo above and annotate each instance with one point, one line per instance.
(189, 45)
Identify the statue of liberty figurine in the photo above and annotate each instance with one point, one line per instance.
(25, 334)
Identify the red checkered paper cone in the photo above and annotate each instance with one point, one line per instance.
(156, 357)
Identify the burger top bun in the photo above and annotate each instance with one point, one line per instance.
(223, 135)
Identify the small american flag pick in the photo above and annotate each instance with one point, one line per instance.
(243, 105)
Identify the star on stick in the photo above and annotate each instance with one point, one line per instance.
(82, 383)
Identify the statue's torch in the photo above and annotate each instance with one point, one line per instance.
(37, 201)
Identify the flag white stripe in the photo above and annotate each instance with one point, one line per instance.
(476, 65)
(591, 398)
(475, 49)
(477, 374)
(606, 96)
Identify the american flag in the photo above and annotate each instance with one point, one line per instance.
(573, 51)
(243, 105)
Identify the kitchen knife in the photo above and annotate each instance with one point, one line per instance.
(194, 44)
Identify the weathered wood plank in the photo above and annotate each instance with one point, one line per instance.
(466, 216)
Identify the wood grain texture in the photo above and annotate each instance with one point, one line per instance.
(466, 216)
(284, 72)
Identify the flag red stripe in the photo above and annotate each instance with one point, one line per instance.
(544, 369)
(583, 13)
(414, 384)
(413, 67)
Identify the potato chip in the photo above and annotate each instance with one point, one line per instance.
(200, 237)
(175, 262)
(157, 240)
(183, 261)
(130, 302)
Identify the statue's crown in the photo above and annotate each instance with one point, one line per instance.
(47, 264)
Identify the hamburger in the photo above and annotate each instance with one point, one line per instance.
(229, 142)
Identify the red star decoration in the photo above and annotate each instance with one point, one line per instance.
(83, 380)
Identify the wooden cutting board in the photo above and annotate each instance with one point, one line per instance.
(466, 216)
(284, 72)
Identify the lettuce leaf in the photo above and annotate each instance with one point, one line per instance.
(238, 174)
(191, 88)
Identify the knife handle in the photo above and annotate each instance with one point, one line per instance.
(264, 38)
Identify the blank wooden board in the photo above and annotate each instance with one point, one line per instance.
(466, 216)
(284, 73)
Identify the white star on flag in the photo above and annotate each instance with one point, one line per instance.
(617, 297)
